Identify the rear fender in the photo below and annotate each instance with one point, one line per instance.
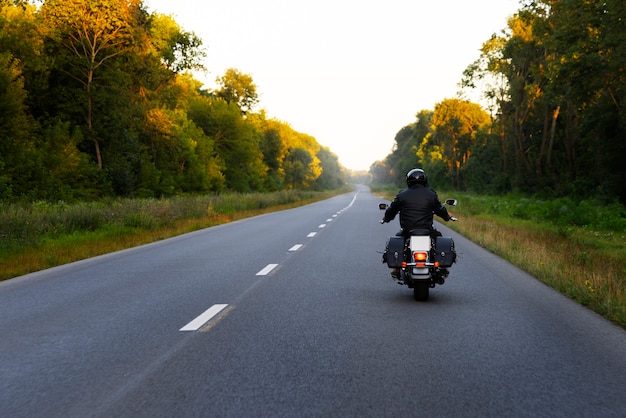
(420, 243)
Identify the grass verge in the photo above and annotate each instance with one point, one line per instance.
(37, 236)
(577, 248)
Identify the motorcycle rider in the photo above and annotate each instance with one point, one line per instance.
(416, 206)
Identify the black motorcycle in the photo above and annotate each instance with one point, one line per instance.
(420, 260)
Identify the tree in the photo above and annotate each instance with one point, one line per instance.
(178, 50)
(455, 126)
(332, 176)
(21, 35)
(16, 142)
(236, 143)
(296, 166)
(94, 32)
(273, 146)
(238, 88)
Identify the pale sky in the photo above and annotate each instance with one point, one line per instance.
(350, 73)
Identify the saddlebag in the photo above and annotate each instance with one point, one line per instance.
(444, 251)
(394, 252)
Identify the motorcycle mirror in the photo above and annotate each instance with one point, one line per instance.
(382, 206)
(451, 202)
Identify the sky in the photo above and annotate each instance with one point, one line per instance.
(350, 73)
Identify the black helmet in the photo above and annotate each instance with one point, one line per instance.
(416, 176)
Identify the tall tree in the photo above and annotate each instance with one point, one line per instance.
(16, 142)
(236, 143)
(456, 124)
(94, 32)
(178, 49)
(332, 176)
(273, 145)
(296, 166)
(238, 88)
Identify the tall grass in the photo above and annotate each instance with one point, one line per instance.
(576, 247)
(41, 235)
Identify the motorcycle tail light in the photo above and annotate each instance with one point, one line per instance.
(420, 258)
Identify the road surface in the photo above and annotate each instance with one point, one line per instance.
(293, 314)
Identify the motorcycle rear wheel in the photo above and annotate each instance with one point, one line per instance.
(420, 292)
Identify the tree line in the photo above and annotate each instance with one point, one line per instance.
(97, 99)
(553, 120)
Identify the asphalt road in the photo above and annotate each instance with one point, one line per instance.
(293, 314)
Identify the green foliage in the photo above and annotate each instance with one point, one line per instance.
(562, 212)
(23, 225)
(332, 176)
(555, 87)
(178, 50)
(94, 102)
(239, 89)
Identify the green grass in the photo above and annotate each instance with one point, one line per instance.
(43, 235)
(576, 247)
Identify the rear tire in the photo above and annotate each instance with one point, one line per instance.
(420, 292)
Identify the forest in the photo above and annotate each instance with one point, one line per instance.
(97, 99)
(551, 121)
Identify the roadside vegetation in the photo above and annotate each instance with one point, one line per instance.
(576, 247)
(43, 235)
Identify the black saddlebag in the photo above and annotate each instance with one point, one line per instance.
(444, 251)
(394, 252)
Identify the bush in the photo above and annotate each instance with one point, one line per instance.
(561, 212)
(27, 225)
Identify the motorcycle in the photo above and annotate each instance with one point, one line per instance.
(422, 261)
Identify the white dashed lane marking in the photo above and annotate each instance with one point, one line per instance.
(296, 247)
(267, 270)
(203, 318)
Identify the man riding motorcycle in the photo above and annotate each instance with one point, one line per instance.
(416, 206)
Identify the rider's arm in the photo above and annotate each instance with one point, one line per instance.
(392, 210)
(440, 210)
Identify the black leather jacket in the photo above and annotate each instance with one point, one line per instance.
(416, 206)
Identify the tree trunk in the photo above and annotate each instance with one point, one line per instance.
(555, 116)
(571, 140)
(92, 134)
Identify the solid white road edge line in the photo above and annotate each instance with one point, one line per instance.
(267, 270)
(203, 318)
